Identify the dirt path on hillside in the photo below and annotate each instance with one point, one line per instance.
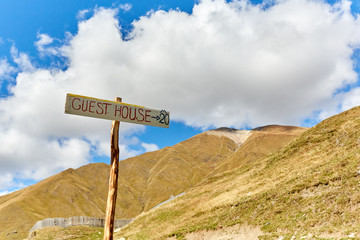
(231, 233)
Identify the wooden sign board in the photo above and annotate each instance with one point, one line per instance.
(111, 110)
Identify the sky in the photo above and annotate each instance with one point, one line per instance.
(211, 63)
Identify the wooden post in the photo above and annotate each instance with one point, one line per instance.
(113, 180)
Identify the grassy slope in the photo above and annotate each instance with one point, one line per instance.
(144, 181)
(70, 233)
(309, 187)
(261, 143)
(63, 195)
(173, 170)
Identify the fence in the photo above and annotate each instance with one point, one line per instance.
(75, 221)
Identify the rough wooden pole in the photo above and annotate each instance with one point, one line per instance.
(113, 180)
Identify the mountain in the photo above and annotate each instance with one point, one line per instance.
(144, 181)
(307, 190)
(262, 142)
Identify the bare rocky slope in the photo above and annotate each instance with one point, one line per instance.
(144, 181)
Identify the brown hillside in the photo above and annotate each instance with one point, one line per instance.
(262, 142)
(68, 193)
(307, 190)
(292, 130)
(144, 181)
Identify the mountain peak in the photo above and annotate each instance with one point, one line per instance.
(238, 136)
(279, 129)
(225, 129)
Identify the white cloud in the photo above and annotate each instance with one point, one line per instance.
(125, 7)
(226, 64)
(4, 193)
(82, 14)
(5, 69)
(43, 43)
(341, 102)
(351, 99)
(44, 40)
(22, 60)
(126, 152)
(125, 142)
(6, 181)
(39, 158)
(150, 147)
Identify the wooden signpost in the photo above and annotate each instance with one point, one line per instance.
(116, 111)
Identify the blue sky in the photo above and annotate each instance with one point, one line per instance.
(210, 63)
(21, 20)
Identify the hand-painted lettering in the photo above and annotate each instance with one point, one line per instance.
(106, 105)
(132, 110)
(124, 116)
(72, 104)
(99, 105)
(91, 105)
(147, 115)
(117, 110)
(140, 117)
(163, 117)
(83, 106)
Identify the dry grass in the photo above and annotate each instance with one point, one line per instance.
(144, 181)
(154, 176)
(309, 189)
(70, 233)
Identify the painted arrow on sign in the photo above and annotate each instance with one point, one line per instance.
(98, 108)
